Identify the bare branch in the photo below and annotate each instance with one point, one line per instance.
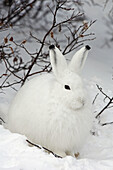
(108, 123)
(95, 98)
(40, 147)
(107, 105)
(2, 120)
(63, 20)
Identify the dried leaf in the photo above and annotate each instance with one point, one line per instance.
(77, 155)
(24, 41)
(15, 59)
(67, 9)
(60, 28)
(31, 5)
(5, 74)
(85, 25)
(11, 25)
(11, 49)
(11, 39)
(21, 61)
(1, 23)
(52, 35)
(6, 40)
(58, 46)
(81, 35)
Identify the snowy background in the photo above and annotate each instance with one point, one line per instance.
(15, 154)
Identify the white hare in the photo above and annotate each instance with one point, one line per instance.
(53, 110)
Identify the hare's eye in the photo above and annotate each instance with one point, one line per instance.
(67, 87)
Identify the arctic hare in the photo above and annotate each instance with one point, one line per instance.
(53, 110)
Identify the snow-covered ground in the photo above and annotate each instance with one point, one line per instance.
(97, 153)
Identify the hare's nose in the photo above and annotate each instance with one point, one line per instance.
(81, 100)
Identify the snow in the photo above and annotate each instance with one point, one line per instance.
(16, 154)
(97, 153)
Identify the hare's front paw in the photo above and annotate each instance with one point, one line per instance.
(77, 155)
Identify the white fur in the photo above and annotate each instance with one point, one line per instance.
(50, 115)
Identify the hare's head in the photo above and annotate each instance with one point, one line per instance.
(70, 86)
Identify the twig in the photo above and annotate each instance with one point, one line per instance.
(40, 147)
(42, 45)
(100, 89)
(2, 120)
(14, 64)
(95, 98)
(108, 104)
(104, 108)
(43, 70)
(109, 123)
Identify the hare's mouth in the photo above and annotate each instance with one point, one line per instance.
(78, 106)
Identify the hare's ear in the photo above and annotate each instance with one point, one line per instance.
(58, 61)
(78, 60)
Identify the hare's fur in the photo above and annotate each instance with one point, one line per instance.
(50, 115)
